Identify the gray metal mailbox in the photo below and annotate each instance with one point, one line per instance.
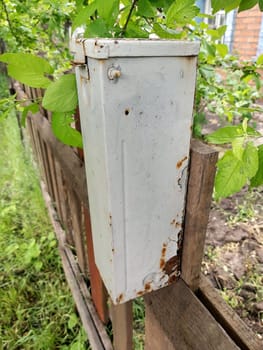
(136, 100)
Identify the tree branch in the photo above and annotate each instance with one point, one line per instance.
(128, 18)
(10, 25)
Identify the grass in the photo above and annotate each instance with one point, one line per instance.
(37, 309)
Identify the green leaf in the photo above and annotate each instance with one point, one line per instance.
(73, 321)
(105, 8)
(233, 173)
(97, 28)
(222, 49)
(217, 33)
(145, 9)
(260, 4)
(260, 59)
(28, 69)
(250, 160)
(83, 15)
(165, 33)
(210, 49)
(163, 4)
(199, 121)
(207, 71)
(257, 180)
(181, 12)
(246, 5)
(229, 133)
(224, 5)
(61, 128)
(61, 96)
(229, 177)
(33, 108)
(238, 148)
(134, 31)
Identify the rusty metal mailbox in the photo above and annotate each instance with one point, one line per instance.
(136, 99)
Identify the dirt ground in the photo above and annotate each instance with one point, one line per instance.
(234, 250)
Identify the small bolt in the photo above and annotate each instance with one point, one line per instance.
(114, 73)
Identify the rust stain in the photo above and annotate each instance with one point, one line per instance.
(162, 263)
(116, 42)
(180, 163)
(162, 260)
(127, 111)
(110, 220)
(171, 268)
(140, 293)
(164, 250)
(147, 287)
(175, 223)
(171, 265)
(120, 298)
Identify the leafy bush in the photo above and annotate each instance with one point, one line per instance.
(218, 73)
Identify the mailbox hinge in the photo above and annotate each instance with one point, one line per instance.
(80, 58)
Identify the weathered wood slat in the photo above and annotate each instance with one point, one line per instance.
(227, 317)
(177, 320)
(53, 177)
(98, 291)
(73, 168)
(199, 193)
(97, 335)
(78, 230)
(122, 324)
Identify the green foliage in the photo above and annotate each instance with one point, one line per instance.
(246, 4)
(238, 166)
(37, 309)
(234, 172)
(230, 133)
(28, 69)
(63, 131)
(257, 180)
(242, 5)
(33, 108)
(225, 86)
(181, 12)
(61, 96)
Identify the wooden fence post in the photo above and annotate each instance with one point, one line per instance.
(122, 324)
(200, 187)
(177, 320)
(98, 291)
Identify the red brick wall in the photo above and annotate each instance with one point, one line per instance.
(246, 35)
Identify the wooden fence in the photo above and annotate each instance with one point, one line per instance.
(189, 314)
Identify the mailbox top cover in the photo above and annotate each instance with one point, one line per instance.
(106, 48)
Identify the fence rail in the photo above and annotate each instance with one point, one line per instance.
(188, 314)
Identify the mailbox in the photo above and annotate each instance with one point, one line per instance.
(136, 100)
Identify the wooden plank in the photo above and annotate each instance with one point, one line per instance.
(122, 325)
(177, 320)
(78, 230)
(47, 169)
(199, 193)
(227, 317)
(98, 291)
(97, 335)
(54, 177)
(61, 191)
(73, 167)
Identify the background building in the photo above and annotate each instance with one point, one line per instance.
(244, 33)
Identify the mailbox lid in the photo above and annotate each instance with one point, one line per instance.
(106, 48)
